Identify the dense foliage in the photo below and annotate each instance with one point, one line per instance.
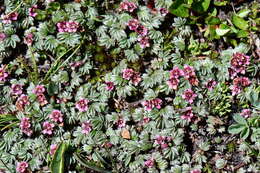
(130, 86)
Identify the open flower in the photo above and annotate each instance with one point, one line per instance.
(39, 89)
(211, 84)
(239, 62)
(7, 19)
(56, 116)
(133, 24)
(21, 167)
(120, 123)
(246, 113)
(154, 103)
(149, 163)
(2, 36)
(17, 89)
(68, 26)
(176, 72)
(82, 105)
(86, 127)
(144, 42)
(173, 83)
(25, 126)
(28, 39)
(141, 30)
(109, 86)
(189, 95)
(47, 128)
(187, 114)
(22, 101)
(32, 11)
(127, 6)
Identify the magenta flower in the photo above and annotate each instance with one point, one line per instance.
(141, 30)
(163, 11)
(21, 167)
(246, 113)
(56, 116)
(22, 101)
(188, 71)
(189, 95)
(187, 115)
(136, 79)
(176, 72)
(2, 36)
(47, 128)
(53, 148)
(109, 86)
(133, 24)
(173, 83)
(25, 126)
(128, 73)
(38, 90)
(146, 120)
(163, 141)
(120, 123)
(3, 74)
(42, 99)
(7, 19)
(244, 81)
(68, 26)
(86, 127)
(28, 39)
(195, 171)
(144, 42)
(193, 80)
(211, 84)
(127, 6)
(238, 84)
(17, 89)
(82, 105)
(150, 104)
(32, 11)
(149, 163)
(239, 62)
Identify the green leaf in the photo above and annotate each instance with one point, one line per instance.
(201, 5)
(245, 133)
(179, 8)
(239, 22)
(52, 88)
(239, 119)
(213, 20)
(222, 30)
(57, 164)
(243, 13)
(236, 128)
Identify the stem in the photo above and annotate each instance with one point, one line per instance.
(5, 165)
(35, 69)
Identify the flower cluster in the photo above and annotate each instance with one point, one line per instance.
(3, 74)
(21, 102)
(127, 6)
(187, 114)
(163, 141)
(189, 74)
(238, 84)
(154, 103)
(22, 167)
(86, 127)
(25, 126)
(149, 163)
(68, 26)
(189, 95)
(17, 89)
(7, 19)
(239, 62)
(82, 105)
(56, 116)
(39, 91)
(246, 113)
(47, 128)
(120, 123)
(133, 76)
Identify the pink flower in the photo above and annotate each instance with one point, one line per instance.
(133, 24)
(189, 95)
(149, 163)
(68, 26)
(82, 105)
(141, 30)
(109, 86)
(120, 123)
(154, 103)
(187, 115)
(163, 141)
(21, 167)
(146, 120)
(53, 148)
(211, 84)
(25, 126)
(244, 81)
(86, 127)
(136, 78)
(22, 101)
(239, 63)
(127, 6)
(246, 113)
(28, 39)
(144, 42)
(188, 71)
(128, 73)
(195, 171)
(32, 11)
(173, 83)
(3, 74)
(176, 72)
(38, 90)
(2, 36)
(47, 128)
(238, 84)
(7, 19)
(17, 89)
(56, 116)
(163, 11)
(42, 99)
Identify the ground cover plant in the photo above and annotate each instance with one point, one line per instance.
(130, 86)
